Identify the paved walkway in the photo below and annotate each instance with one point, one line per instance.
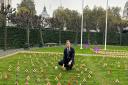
(11, 51)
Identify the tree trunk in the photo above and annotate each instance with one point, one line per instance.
(103, 38)
(41, 37)
(76, 38)
(5, 38)
(88, 37)
(28, 34)
(59, 37)
(120, 38)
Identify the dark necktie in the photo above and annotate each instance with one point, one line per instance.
(68, 52)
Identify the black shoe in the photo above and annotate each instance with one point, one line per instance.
(68, 68)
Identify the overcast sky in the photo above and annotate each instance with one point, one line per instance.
(51, 5)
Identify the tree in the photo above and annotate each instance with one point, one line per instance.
(45, 23)
(2, 20)
(24, 17)
(5, 13)
(66, 17)
(28, 4)
(60, 15)
(94, 19)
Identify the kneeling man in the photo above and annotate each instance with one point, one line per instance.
(68, 59)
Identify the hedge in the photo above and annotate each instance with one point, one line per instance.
(16, 37)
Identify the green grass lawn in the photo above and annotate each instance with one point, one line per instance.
(84, 50)
(40, 68)
(61, 49)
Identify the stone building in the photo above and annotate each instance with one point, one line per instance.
(125, 12)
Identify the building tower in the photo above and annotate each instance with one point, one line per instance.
(125, 12)
(44, 13)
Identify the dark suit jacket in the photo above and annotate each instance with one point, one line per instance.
(69, 56)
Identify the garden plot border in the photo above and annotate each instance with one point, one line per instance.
(95, 55)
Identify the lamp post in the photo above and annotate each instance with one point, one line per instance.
(106, 28)
(81, 46)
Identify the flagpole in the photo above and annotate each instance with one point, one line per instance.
(106, 28)
(81, 47)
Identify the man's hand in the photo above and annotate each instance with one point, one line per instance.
(63, 67)
(70, 63)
